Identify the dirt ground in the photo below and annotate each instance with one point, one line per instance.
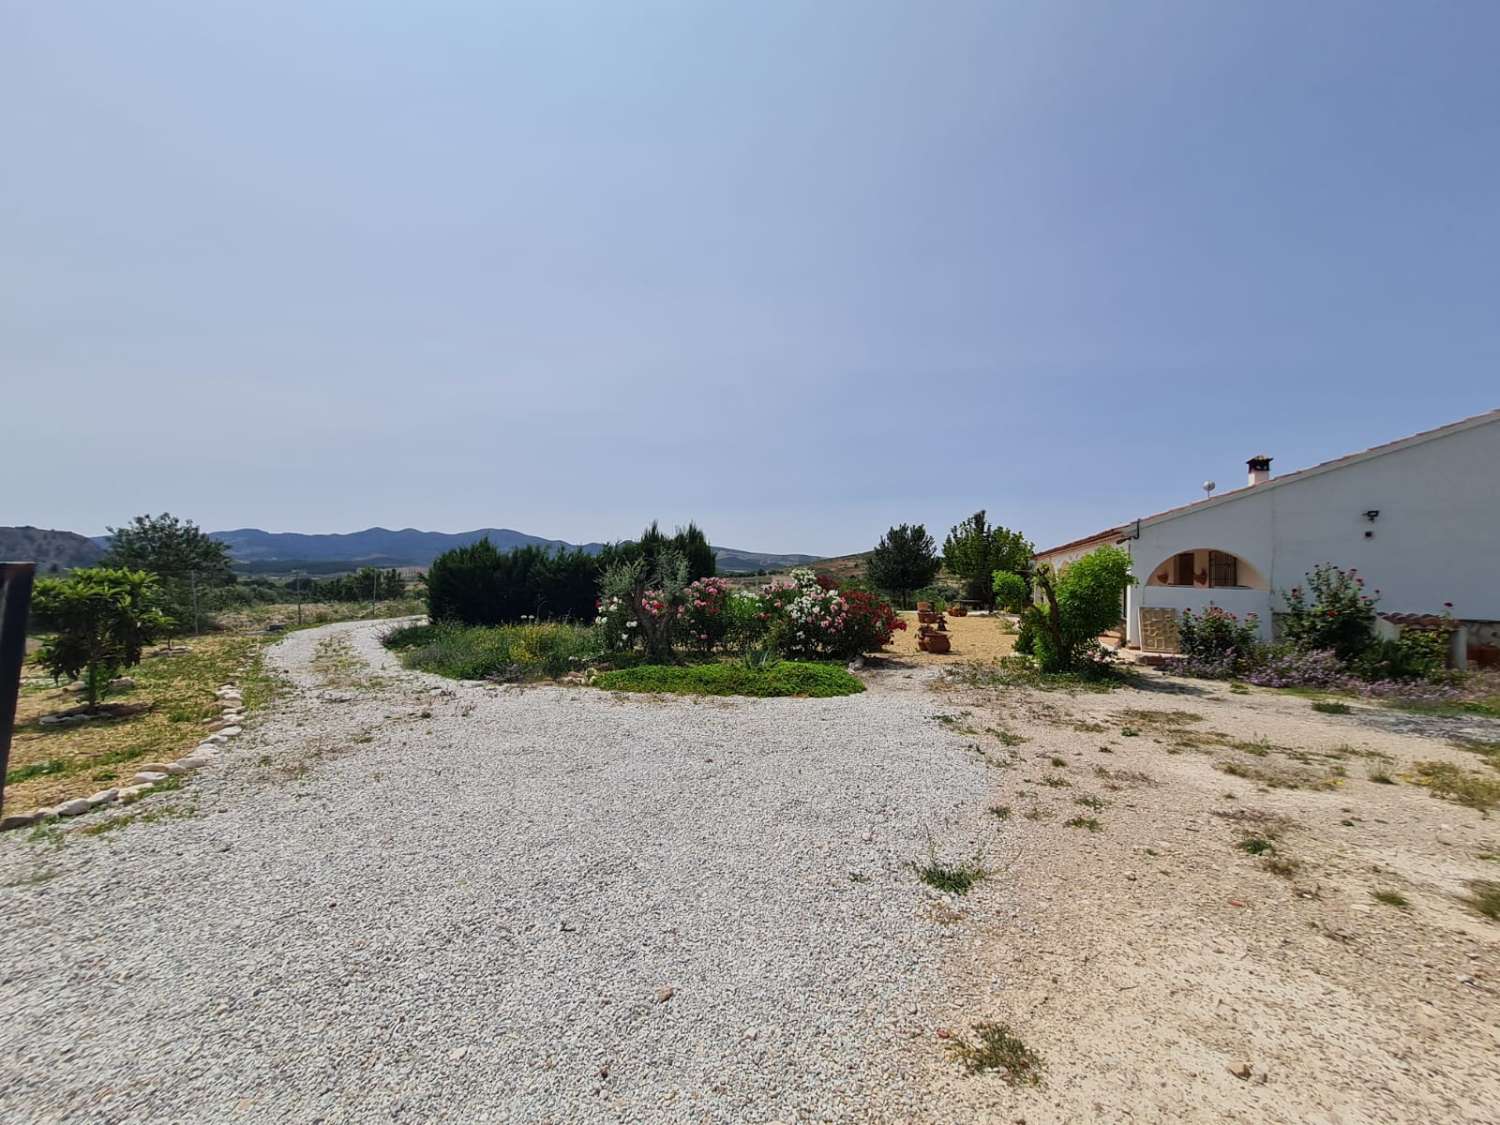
(1167, 968)
(973, 638)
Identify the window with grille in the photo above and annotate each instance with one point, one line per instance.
(1223, 570)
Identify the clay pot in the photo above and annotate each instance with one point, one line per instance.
(924, 607)
(957, 611)
(938, 642)
(927, 616)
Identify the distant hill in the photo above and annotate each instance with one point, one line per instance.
(375, 546)
(733, 561)
(50, 550)
(278, 552)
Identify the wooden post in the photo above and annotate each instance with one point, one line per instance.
(15, 604)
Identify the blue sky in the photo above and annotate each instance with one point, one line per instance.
(798, 271)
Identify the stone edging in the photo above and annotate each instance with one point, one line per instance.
(226, 727)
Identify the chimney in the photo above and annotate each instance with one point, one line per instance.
(1260, 469)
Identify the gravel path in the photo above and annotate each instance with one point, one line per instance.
(402, 898)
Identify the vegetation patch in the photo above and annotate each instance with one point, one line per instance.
(50, 763)
(1089, 822)
(1391, 898)
(1331, 707)
(996, 1050)
(954, 880)
(1453, 783)
(1484, 897)
(1022, 672)
(785, 677)
(496, 652)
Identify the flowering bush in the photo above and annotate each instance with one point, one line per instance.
(1294, 667)
(1216, 644)
(1338, 615)
(706, 618)
(649, 608)
(869, 623)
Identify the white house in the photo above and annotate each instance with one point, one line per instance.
(1419, 518)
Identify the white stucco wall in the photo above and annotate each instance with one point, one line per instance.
(1436, 540)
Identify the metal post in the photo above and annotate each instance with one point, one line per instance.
(15, 603)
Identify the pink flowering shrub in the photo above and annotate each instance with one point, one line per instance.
(706, 617)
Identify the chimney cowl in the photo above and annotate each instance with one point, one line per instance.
(1260, 468)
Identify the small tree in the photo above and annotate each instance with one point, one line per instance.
(1077, 605)
(645, 604)
(181, 556)
(904, 560)
(974, 551)
(1012, 592)
(103, 617)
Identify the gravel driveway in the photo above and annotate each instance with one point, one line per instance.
(407, 898)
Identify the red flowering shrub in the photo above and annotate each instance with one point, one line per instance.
(869, 622)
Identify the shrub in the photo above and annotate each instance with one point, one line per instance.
(645, 606)
(1012, 592)
(940, 596)
(1416, 654)
(479, 585)
(1077, 606)
(103, 617)
(869, 623)
(1332, 613)
(505, 652)
(785, 677)
(905, 559)
(689, 542)
(707, 617)
(1218, 645)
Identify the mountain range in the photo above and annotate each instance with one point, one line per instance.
(278, 552)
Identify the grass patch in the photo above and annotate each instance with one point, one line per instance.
(1391, 898)
(1095, 803)
(1281, 865)
(544, 651)
(1089, 822)
(1276, 777)
(1052, 781)
(1256, 845)
(1453, 783)
(1486, 749)
(1007, 738)
(51, 763)
(956, 880)
(37, 769)
(785, 677)
(996, 1050)
(1330, 707)
(1484, 898)
(1381, 777)
(1000, 812)
(1154, 718)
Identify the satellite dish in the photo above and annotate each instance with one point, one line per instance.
(1208, 487)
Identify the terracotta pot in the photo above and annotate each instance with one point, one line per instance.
(938, 642)
(958, 611)
(923, 606)
(927, 616)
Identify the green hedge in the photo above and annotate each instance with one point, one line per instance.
(786, 677)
